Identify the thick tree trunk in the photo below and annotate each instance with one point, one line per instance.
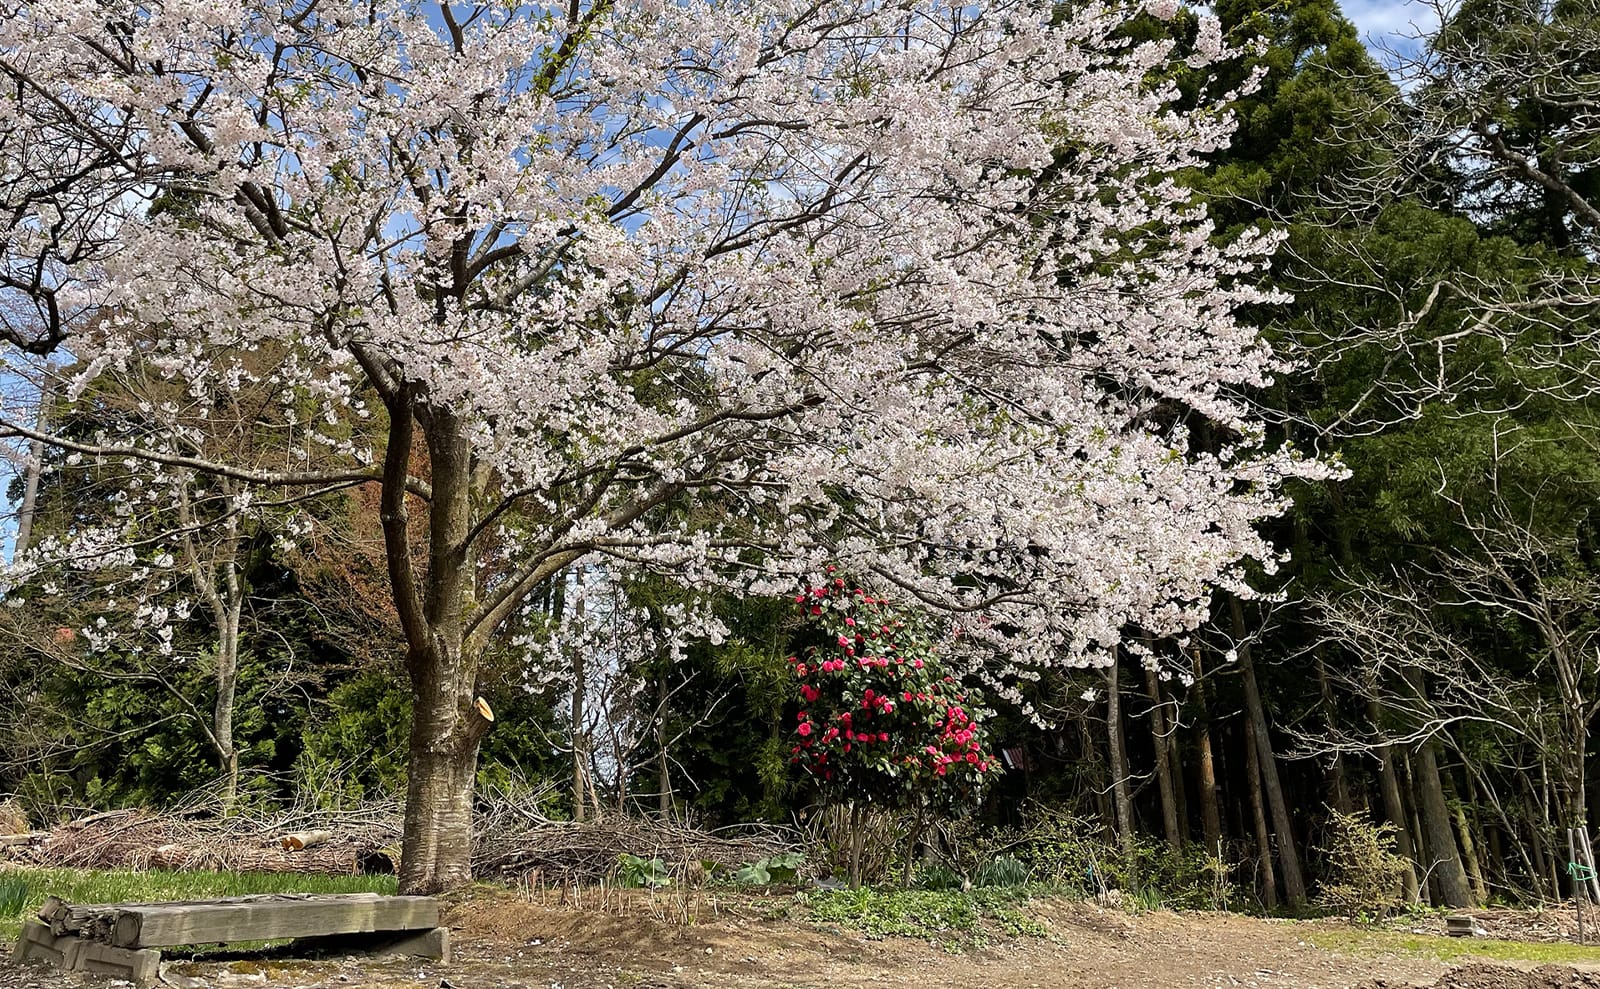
(1294, 887)
(1394, 808)
(1158, 741)
(1205, 765)
(1252, 762)
(1436, 819)
(446, 726)
(436, 853)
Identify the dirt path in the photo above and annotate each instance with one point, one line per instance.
(503, 943)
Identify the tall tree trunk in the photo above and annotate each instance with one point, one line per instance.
(1175, 769)
(1158, 741)
(222, 712)
(580, 737)
(1464, 833)
(1436, 818)
(446, 726)
(1089, 759)
(1252, 762)
(1294, 887)
(1205, 764)
(1119, 765)
(1394, 808)
(1338, 787)
(1543, 859)
(30, 482)
(664, 798)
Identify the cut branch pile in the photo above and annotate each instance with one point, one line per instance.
(581, 852)
(514, 841)
(366, 840)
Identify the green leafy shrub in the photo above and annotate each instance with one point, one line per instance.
(1363, 874)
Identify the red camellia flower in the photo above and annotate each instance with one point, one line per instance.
(805, 728)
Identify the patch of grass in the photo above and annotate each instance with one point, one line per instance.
(23, 890)
(952, 919)
(1448, 949)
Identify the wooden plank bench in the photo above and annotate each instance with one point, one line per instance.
(124, 939)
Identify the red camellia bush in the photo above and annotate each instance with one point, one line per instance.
(880, 720)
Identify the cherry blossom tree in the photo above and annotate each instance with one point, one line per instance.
(720, 289)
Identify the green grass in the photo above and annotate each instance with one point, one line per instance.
(23, 890)
(1451, 950)
(950, 918)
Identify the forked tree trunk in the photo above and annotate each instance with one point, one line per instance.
(446, 726)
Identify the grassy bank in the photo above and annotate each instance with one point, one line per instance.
(22, 890)
(1450, 950)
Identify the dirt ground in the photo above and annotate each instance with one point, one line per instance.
(505, 942)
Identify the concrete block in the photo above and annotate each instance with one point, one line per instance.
(141, 966)
(38, 943)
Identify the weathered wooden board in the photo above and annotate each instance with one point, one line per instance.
(433, 944)
(267, 918)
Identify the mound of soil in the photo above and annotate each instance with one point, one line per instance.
(1483, 976)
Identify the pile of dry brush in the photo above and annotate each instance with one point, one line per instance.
(513, 841)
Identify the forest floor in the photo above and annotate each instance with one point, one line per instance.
(503, 940)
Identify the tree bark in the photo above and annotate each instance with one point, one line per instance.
(580, 737)
(1294, 887)
(1174, 723)
(1394, 808)
(1339, 789)
(1122, 801)
(1158, 741)
(446, 726)
(1469, 849)
(1436, 819)
(1252, 762)
(436, 853)
(1205, 765)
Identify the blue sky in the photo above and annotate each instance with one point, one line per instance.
(1388, 20)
